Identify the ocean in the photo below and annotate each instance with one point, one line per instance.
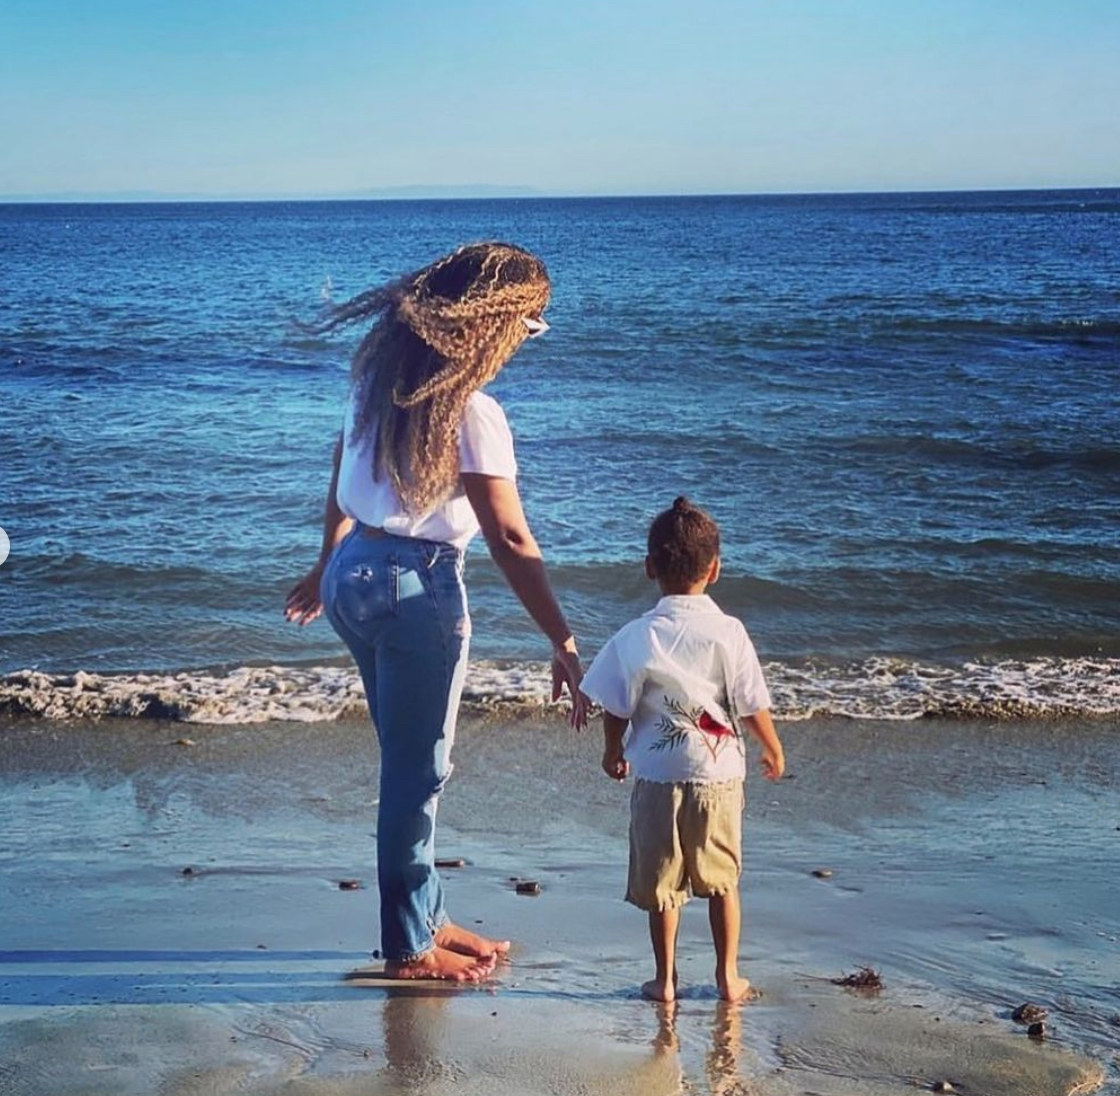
(904, 411)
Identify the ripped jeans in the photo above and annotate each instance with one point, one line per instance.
(400, 606)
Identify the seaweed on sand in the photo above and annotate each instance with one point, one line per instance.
(864, 978)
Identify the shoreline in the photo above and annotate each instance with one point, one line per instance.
(119, 970)
(874, 688)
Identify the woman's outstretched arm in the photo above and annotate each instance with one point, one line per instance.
(303, 604)
(497, 505)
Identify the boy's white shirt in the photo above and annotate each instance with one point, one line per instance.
(683, 674)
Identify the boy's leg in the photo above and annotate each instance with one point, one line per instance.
(724, 917)
(663, 926)
(713, 826)
(656, 881)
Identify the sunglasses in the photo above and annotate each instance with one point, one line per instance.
(536, 326)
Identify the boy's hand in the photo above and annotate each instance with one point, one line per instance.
(773, 763)
(615, 765)
(761, 725)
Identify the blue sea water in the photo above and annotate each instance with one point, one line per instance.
(904, 410)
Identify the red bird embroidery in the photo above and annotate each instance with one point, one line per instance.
(708, 724)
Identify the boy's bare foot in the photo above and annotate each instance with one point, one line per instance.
(443, 964)
(657, 990)
(458, 939)
(735, 989)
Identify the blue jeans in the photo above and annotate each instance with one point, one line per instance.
(400, 606)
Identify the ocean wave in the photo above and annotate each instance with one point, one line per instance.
(883, 688)
(886, 689)
(173, 585)
(950, 450)
(1073, 330)
(1060, 202)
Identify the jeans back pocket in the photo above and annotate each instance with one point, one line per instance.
(367, 591)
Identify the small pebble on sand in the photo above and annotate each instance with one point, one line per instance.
(1037, 1030)
(822, 873)
(528, 886)
(1028, 1012)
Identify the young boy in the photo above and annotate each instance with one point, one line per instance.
(685, 676)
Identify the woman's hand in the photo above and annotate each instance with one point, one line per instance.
(567, 670)
(303, 604)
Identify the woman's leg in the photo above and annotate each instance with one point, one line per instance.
(421, 667)
(361, 596)
(414, 703)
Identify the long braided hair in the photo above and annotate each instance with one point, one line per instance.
(439, 335)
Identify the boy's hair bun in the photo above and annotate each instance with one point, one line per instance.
(683, 542)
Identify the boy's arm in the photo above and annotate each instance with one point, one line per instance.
(612, 684)
(773, 758)
(614, 764)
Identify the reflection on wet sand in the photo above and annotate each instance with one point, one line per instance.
(724, 1078)
(414, 1023)
(722, 1059)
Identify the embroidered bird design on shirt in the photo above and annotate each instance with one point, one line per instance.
(677, 722)
(712, 726)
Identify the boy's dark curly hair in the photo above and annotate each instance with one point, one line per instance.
(683, 542)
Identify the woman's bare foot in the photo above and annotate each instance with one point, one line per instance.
(657, 990)
(443, 964)
(735, 989)
(458, 939)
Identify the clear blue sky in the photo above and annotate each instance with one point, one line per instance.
(258, 97)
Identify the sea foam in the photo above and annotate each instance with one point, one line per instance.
(874, 688)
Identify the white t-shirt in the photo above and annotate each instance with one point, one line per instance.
(485, 446)
(683, 674)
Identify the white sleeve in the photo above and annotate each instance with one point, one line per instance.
(749, 693)
(350, 416)
(485, 441)
(610, 683)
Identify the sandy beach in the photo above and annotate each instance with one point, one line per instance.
(173, 919)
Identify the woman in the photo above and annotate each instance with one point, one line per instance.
(424, 462)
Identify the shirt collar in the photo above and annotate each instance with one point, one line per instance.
(676, 604)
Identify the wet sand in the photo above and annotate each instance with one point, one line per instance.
(172, 917)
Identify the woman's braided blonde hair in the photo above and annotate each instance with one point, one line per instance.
(440, 334)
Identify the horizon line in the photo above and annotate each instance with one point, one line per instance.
(482, 192)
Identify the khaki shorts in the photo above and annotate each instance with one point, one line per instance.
(684, 839)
